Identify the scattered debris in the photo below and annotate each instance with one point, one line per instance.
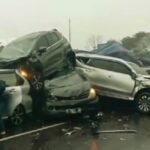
(125, 126)
(123, 139)
(116, 131)
(104, 138)
(64, 130)
(94, 125)
(99, 115)
(120, 120)
(69, 132)
(77, 128)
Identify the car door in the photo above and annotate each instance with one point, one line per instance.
(118, 76)
(98, 77)
(52, 54)
(55, 56)
(121, 78)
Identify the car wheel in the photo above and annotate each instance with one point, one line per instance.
(18, 116)
(143, 102)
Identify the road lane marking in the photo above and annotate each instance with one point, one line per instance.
(32, 131)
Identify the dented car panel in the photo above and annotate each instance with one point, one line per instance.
(16, 93)
(109, 81)
(47, 62)
(69, 84)
(40, 51)
(68, 91)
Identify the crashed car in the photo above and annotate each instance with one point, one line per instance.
(69, 93)
(45, 47)
(46, 60)
(69, 98)
(16, 95)
(117, 78)
(43, 53)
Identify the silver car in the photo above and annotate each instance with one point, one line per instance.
(68, 94)
(117, 78)
(16, 95)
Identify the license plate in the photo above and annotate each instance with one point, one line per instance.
(74, 110)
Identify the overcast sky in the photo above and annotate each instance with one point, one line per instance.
(112, 19)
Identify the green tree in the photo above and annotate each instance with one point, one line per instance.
(131, 43)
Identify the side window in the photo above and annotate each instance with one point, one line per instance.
(83, 59)
(43, 42)
(47, 41)
(52, 38)
(103, 64)
(109, 65)
(121, 68)
(9, 78)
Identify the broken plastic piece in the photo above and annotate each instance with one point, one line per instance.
(116, 131)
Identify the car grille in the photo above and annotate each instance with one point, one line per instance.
(84, 95)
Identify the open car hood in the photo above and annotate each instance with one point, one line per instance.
(68, 85)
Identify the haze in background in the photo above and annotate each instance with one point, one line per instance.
(112, 19)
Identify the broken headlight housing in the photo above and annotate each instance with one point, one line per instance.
(92, 92)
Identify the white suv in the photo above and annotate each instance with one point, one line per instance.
(117, 78)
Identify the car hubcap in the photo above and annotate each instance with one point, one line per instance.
(144, 103)
(17, 117)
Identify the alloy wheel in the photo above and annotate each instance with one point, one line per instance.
(143, 102)
(18, 116)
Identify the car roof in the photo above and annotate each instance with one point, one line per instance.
(90, 55)
(86, 55)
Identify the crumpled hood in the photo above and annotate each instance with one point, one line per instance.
(146, 83)
(69, 85)
(144, 80)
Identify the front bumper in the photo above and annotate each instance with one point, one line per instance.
(66, 107)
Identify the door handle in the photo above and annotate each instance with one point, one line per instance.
(109, 76)
(12, 91)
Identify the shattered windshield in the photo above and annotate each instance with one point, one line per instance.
(23, 46)
(18, 47)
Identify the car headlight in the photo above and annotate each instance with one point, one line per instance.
(24, 72)
(92, 92)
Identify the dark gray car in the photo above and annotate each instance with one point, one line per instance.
(46, 60)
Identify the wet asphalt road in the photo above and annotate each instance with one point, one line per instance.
(117, 116)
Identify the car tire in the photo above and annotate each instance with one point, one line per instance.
(18, 116)
(142, 102)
